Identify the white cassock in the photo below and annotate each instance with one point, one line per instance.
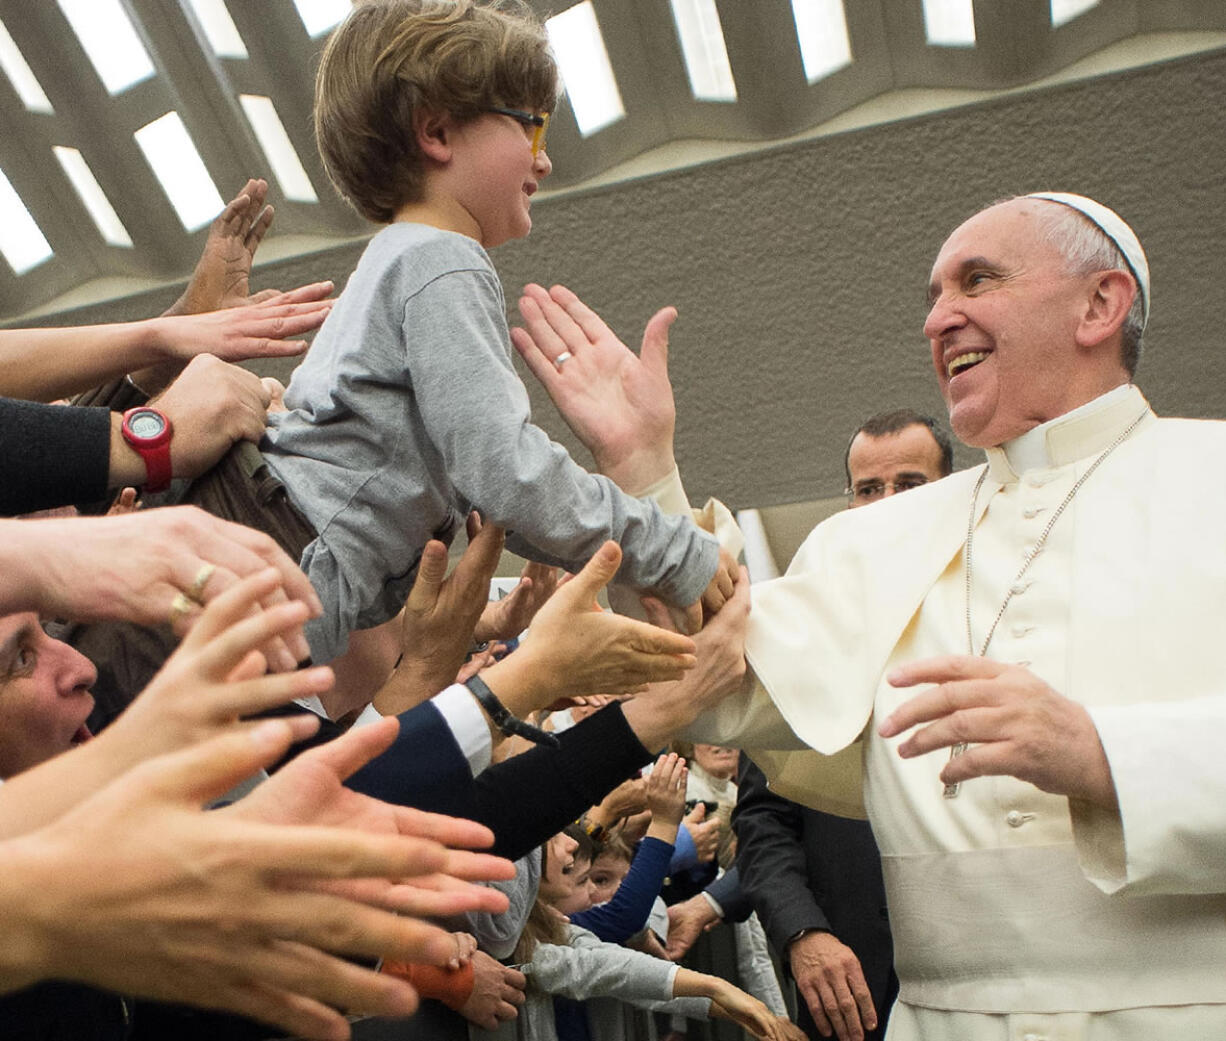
(1017, 914)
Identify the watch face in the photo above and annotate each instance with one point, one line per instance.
(146, 425)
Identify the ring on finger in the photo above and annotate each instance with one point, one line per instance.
(196, 592)
(561, 360)
(180, 607)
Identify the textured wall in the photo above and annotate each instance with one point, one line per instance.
(800, 272)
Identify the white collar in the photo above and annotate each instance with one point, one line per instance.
(1085, 430)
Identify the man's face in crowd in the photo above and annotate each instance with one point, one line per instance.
(1002, 324)
(881, 466)
(44, 694)
(718, 761)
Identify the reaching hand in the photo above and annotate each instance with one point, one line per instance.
(135, 566)
(748, 1012)
(627, 798)
(830, 979)
(705, 833)
(619, 404)
(311, 790)
(237, 333)
(576, 649)
(498, 991)
(222, 273)
(505, 619)
(439, 617)
(139, 890)
(687, 921)
(665, 790)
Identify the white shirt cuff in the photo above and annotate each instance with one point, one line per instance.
(467, 723)
(368, 715)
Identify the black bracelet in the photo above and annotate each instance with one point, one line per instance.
(506, 723)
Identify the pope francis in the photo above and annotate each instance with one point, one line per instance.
(1011, 670)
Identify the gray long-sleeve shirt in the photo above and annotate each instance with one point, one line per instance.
(407, 413)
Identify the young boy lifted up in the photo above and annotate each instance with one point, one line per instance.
(407, 413)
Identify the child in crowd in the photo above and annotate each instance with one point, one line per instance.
(407, 412)
(560, 958)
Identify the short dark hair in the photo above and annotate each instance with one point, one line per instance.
(392, 61)
(894, 422)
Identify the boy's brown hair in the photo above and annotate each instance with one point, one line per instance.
(391, 62)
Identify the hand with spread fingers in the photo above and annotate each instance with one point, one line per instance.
(140, 890)
(137, 889)
(574, 648)
(311, 790)
(439, 617)
(507, 618)
(222, 274)
(618, 403)
(1015, 724)
(830, 979)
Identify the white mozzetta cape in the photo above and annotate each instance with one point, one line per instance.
(1006, 899)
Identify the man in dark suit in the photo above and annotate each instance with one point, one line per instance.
(814, 878)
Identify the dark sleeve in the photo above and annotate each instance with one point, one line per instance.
(53, 455)
(770, 857)
(627, 912)
(532, 796)
(524, 800)
(731, 897)
(424, 767)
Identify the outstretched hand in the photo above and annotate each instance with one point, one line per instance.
(505, 619)
(139, 890)
(574, 648)
(618, 403)
(439, 617)
(311, 790)
(224, 269)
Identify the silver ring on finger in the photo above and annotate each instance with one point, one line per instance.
(561, 360)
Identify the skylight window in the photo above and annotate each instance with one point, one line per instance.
(22, 243)
(584, 65)
(950, 23)
(99, 207)
(821, 30)
(702, 46)
(20, 75)
(321, 15)
(178, 167)
(270, 131)
(219, 28)
(1066, 10)
(110, 41)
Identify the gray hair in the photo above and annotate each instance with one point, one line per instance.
(1087, 248)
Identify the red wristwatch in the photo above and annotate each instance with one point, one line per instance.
(148, 431)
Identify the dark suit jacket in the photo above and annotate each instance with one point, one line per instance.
(524, 800)
(809, 870)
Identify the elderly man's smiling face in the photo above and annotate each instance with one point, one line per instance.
(44, 694)
(1004, 314)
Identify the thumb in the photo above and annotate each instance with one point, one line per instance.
(208, 770)
(654, 352)
(698, 814)
(595, 575)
